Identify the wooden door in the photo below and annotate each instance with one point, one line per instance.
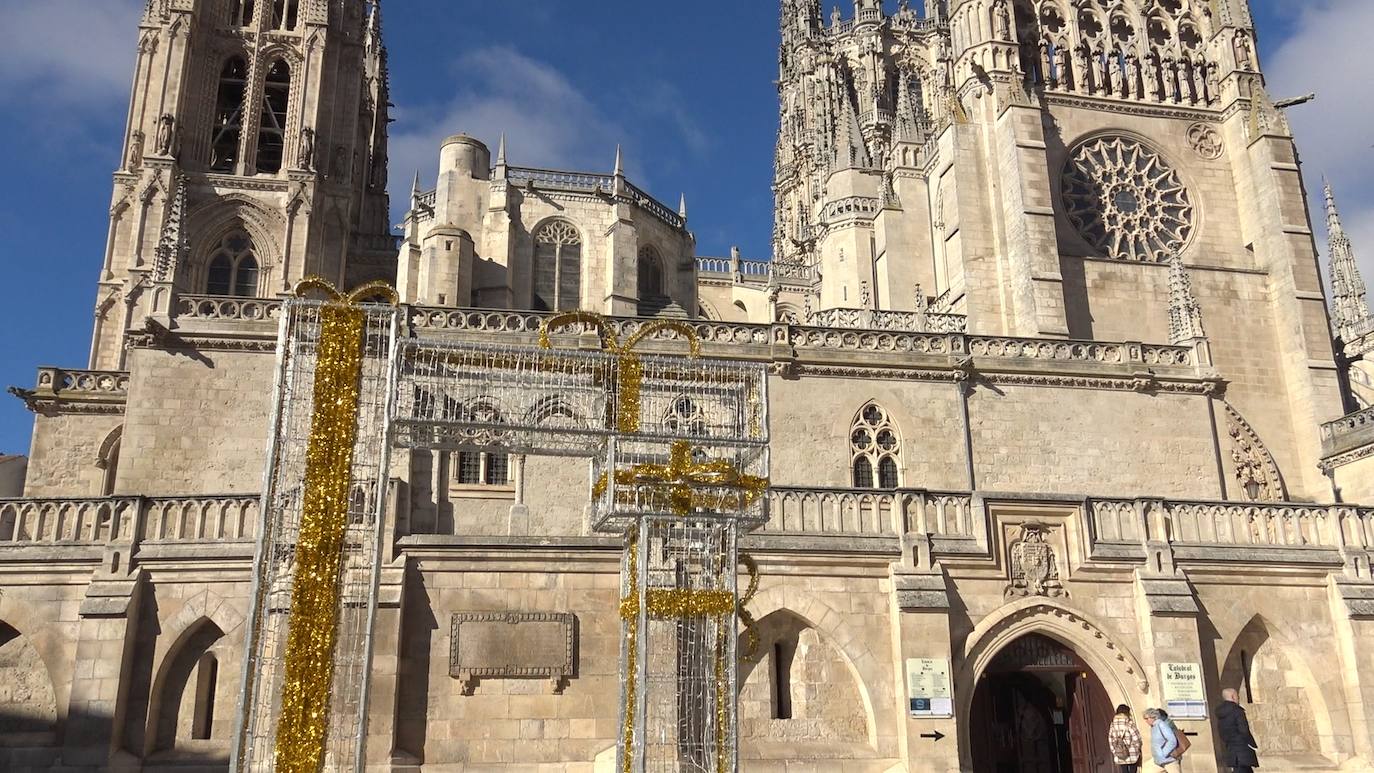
(1013, 728)
(1090, 714)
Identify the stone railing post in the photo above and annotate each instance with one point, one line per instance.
(1157, 537)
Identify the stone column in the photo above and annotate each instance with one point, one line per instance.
(1167, 616)
(920, 629)
(616, 277)
(105, 638)
(1352, 612)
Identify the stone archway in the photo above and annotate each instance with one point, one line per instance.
(1120, 673)
(800, 697)
(1284, 702)
(28, 701)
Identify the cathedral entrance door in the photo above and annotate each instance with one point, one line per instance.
(1040, 709)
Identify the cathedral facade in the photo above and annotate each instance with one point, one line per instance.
(1061, 415)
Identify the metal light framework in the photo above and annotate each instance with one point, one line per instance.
(304, 699)
(679, 456)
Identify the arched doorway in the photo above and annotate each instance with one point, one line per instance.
(1039, 708)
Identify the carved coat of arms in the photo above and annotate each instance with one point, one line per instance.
(1033, 568)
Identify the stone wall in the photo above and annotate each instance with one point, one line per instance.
(1080, 441)
(66, 448)
(197, 421)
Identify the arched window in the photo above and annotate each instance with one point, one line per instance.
(240, 13)
(650, 273)
(233, 267)
(284, 14)
(184, 693)
(875, 449)
(276, 93)
(557, 267)
(228, 127)
(685, 417)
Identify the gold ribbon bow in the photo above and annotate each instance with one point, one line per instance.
(630, 370)
(303, 726)
(675, 486)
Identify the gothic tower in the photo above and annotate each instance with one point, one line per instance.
(1050, 169)
(255, 154)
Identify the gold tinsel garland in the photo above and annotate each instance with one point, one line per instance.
(632, 654)
(303, 722)
(630, 369)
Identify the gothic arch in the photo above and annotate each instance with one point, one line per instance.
(212, 221)
(868, 674)
(107, 458)
(54, 649)
(1255, 638)
(706, 310)
(29, 716)
(1120, 672)
(186, 656)
(781, 684)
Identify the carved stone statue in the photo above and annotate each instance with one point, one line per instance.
(1242, 50)
(1003, 20)
(166, 132)
(307, 152)
(135, 151)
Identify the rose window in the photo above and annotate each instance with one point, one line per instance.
(1126, 201)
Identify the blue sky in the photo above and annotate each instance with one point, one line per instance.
(686, 88)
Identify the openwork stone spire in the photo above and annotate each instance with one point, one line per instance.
(172, 246)
(1185, 315)
(1349, 307)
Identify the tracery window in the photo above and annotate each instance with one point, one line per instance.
(686, 417)
(276, 94)
(557, 267)
(228, 126)
(875, 449)
(650, 273)
(240, 13)
(233, 267)
(1126, 201)
(284, 13)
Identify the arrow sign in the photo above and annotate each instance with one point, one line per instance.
(935, 736)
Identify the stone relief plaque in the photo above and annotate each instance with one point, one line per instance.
(512, 645)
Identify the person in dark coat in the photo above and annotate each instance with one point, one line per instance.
(1241, 750)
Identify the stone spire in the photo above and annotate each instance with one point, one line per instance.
(1185, 315)
(1349, 307)
(172, 246)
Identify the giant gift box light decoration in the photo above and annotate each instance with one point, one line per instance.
(679, 456)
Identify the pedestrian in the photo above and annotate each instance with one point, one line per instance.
(1239, 748)
(1163, 741)
(1123, 738)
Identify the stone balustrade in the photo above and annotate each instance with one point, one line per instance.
(228, 309)
(71, 384)
(1234, 531)
(1348, 432)
(1234, 524)
(99, 521)
(805, 338)
(942, 335)
(98, 390)
(888, 319)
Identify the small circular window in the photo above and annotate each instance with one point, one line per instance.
(1126, 201)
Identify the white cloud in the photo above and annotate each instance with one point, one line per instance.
(76, 52)
(1328, 53)
(546, 119)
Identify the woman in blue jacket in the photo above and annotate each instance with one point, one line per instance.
(1163, 741)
